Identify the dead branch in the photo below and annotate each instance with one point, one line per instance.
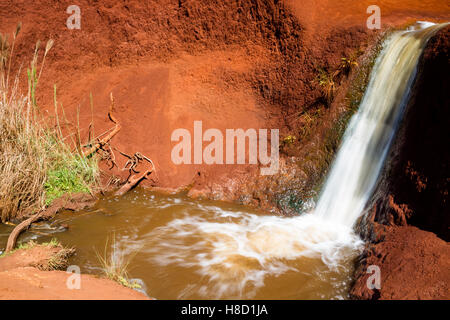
(132, 182)
(133, 161)
(107, 154)
(131, 165)
(12, 239)
(103, 146)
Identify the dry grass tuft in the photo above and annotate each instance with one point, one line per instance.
(327, 82)
(36, 165)
(115, 265)
(60, 260)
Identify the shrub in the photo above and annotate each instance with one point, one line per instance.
(36, 164)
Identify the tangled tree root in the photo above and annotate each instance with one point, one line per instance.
(131, 165)
(104, 148)
(132, 182)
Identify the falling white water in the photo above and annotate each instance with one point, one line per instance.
(236, 251)
(369, 135)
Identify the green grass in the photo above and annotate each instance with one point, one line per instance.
(71, 175)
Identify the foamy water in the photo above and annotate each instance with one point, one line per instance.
(239, 250)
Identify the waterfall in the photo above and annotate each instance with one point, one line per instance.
(355, 171)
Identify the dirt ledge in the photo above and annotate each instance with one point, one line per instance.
(22, 278)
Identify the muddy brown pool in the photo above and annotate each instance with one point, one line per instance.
(180, 248)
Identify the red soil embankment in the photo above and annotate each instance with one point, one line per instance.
(409, 222)
(32, 284)
(21, 279)
(414, 265)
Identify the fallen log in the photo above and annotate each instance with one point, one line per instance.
(12, 239)
(73, 202)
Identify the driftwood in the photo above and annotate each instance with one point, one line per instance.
(132, 182)
(12, 239)
(93, 149)
(131, 165)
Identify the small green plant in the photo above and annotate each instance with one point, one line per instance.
(115, 265)
(31, 244)
(60, 182)
(70, 175)
(27, 245)
(21, 246)
(53, 243)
